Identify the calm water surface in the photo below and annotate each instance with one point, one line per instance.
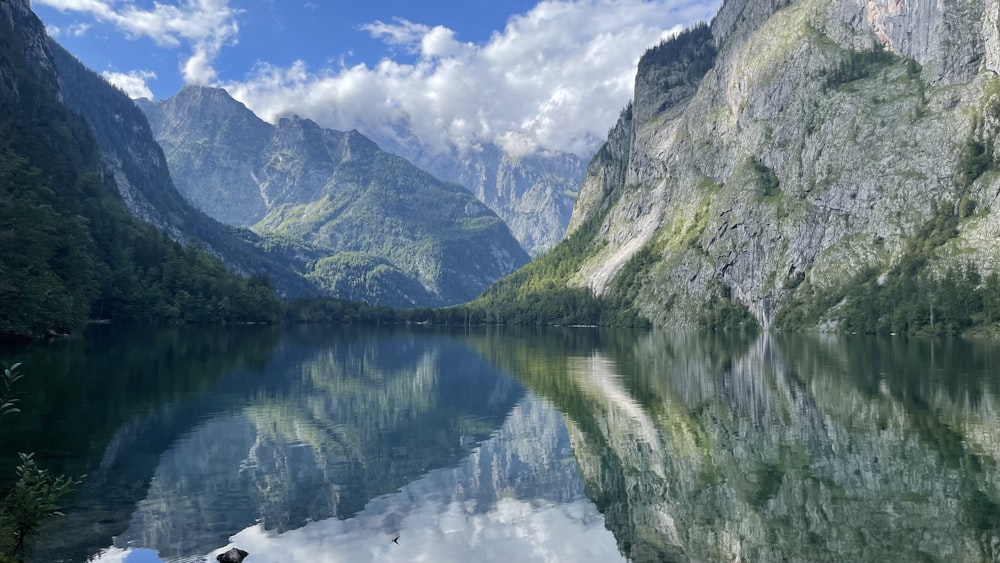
(323, 444)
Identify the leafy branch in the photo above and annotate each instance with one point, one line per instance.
(8, 399)
(35, 495)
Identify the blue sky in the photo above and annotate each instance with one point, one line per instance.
(527, 75)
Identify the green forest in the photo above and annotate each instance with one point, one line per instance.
(71, 251)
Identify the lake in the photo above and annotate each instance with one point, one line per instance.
(307, 443)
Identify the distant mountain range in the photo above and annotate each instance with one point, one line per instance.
(93, 225)
(132, 157)
(375, 227)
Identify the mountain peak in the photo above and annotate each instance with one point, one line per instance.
(385, 230)
(205, 97)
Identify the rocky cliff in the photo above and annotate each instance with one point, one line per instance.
(386, 231)
(791, 146)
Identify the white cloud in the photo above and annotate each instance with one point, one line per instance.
(74, 30)
(555, 77)
(78, 29)
(132, 83)
(401, 32)
(205, 26)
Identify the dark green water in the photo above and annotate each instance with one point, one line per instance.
(323, 444)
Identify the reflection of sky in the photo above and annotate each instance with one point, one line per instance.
(512, 530)
(518, 497)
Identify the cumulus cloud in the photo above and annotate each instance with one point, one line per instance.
(204, 26)
(78, 29)
(132, 83)
(554, 78)
(400, 32)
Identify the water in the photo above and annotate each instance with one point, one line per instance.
(324, 444)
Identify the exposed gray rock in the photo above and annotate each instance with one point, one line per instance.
(132, 162)
(220, 138)
(796, 157)
(947, 36)
(385, 231)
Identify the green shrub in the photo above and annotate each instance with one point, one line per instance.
(35, 495)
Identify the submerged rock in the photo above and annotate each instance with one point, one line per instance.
(234, 555)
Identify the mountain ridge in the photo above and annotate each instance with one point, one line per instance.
(412, 239)
(133, 158)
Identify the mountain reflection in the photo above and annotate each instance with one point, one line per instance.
(549, 444)
(807, 448)
(516, 497)
(331, 421)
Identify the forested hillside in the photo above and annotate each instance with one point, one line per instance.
(69, 249)
(131, 156)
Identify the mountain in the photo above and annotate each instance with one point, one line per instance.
(387, 231)
(798, 163)
(69, 248)
(130, 155)
(533, 194)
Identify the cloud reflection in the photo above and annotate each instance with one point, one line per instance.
(512, 530)
(516, 497)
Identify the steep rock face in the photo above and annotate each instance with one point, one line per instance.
(806, 152)
(944, 36)
(219, 137)
(36, 45)
(533, 194)
(405, 237)
(739, 18)
(75, 161)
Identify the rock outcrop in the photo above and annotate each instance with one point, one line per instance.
(135, 161)
(820, 139)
